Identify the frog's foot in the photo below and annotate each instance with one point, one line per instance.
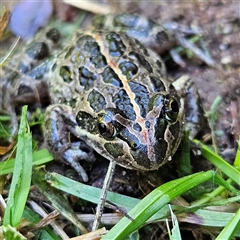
(59, 123)
(76, 152)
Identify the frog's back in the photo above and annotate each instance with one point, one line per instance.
(110, 75)
(99, 70)
(113, 81)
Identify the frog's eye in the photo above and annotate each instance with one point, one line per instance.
(171, 109)
(105, 127)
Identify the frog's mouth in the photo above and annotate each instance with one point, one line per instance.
(114, 137)
(125, 149)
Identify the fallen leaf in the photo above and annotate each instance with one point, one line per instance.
(4, 150)
(4, 21)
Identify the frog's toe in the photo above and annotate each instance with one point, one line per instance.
(71, 159)
(77, 153)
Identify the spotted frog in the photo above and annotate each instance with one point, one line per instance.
(109, 90)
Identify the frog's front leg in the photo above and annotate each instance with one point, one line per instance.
(60, 121)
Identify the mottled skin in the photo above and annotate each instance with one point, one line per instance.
(124, 102)
(112, 93)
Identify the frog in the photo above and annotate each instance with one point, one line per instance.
(108, 88)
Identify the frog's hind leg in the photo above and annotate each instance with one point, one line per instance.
(194, 113)
(24, 77)
(60, 121)
(146, 31)
(158, 37)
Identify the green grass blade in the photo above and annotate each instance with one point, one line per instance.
(11, 233)
(233, 225)
(57, 199)
(21, 175)
(39, 157)
(46, 233)
(88, 193)
(175, 234)
(237, 159)
(92, 194)
(220, 163)
(154, 201)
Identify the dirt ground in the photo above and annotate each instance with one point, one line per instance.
(220, 22)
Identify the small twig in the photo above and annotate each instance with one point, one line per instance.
(98, 234)
(103, 195)
(37, 208)
(11, 50)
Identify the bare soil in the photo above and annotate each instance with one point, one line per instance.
(220, 22)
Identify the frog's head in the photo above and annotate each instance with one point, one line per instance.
(136, 137)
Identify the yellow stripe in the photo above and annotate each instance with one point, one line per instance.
(126, 86)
